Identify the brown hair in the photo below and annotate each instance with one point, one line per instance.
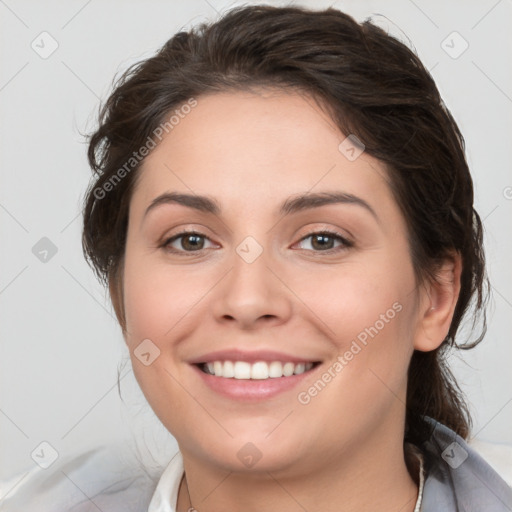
(374, 87)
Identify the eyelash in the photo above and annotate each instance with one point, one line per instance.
(346, 244)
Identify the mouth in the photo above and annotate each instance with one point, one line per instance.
(252, 376)
(253, 382)
(258, 370)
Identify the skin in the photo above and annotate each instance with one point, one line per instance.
(343, 450)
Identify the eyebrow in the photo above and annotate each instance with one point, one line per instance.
(291, 205)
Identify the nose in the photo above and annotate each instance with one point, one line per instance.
(253, 292)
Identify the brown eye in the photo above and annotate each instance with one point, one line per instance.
(323, 241)
(190, 242)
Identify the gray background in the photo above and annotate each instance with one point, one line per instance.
(60, 344)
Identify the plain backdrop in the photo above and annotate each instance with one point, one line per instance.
(61, 347)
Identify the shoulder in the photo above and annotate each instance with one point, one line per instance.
(458, 478)
(104, 478)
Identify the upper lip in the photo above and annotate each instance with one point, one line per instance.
(250, 357)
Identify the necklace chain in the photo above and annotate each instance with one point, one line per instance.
(191, 508)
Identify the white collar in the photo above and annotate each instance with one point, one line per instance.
(165, 496)
(421, 486)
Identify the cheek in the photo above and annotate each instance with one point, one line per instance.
(356, 300)
(156, 296)
(370, 313)
(367, 376)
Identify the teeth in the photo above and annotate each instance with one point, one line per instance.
(288, 369)
(255, 371)
(242, 370)
(275, 369)
(299, 368)
(228, 369)
(259, 371)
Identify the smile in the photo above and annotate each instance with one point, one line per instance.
(259, 370)
(253, 381)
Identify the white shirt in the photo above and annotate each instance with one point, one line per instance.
(165, 497)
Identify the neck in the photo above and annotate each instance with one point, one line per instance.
(375, 477)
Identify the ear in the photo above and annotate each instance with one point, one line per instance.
(115, 287)
(437, 304)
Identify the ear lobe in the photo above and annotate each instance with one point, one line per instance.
(437, 305)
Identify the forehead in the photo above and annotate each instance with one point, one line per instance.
(245, 146)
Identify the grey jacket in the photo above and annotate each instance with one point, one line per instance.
(109, 479)
(458, 478)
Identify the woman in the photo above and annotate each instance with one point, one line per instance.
(284, 216)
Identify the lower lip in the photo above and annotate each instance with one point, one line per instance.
(251, 390)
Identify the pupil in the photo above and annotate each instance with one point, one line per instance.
(194, 244)
(324, 238)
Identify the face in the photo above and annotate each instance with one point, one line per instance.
(270, 278)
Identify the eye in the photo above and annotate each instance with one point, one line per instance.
(323, 241)
(192, 241)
